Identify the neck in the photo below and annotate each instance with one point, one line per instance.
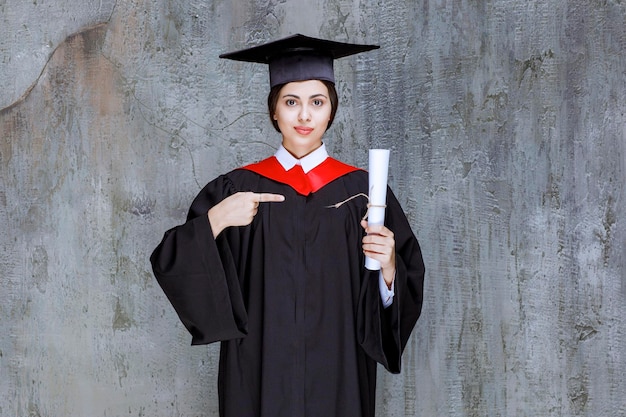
(300, 153)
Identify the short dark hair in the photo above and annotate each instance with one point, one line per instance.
(272, 101)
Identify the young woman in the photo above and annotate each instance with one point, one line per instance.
(270, 265)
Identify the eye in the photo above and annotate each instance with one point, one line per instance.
(290, 102)
(318, 102)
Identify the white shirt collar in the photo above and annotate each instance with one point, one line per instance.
(308, 162)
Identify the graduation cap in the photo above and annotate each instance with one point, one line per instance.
(298, 57)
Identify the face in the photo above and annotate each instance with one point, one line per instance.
(302, 112)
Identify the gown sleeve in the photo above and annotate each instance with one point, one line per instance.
(198, 275)
(383, 332)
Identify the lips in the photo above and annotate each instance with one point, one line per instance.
(303, 130)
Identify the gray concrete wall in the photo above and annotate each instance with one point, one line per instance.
(506, 121)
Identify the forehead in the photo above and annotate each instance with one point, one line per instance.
(304, 88)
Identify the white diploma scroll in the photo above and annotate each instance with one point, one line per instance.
(378, 170)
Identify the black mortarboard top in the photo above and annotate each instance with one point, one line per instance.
(298, 57)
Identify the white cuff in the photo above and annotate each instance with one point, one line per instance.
(386, 294)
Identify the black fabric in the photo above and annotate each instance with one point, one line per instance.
(300, 319)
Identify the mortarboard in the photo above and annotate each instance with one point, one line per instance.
(298, 57)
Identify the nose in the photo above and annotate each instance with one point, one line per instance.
(304, 115)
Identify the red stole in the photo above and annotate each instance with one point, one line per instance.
(304, 184)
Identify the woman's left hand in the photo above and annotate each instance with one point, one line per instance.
(379, 244)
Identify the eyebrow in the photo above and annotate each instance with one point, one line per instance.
(298, 97)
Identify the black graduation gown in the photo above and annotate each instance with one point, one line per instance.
(299, 318)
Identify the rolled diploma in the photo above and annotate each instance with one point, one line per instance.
(378, 170)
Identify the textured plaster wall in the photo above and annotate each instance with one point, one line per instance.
(507, 125)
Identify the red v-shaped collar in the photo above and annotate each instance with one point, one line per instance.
(304, 184)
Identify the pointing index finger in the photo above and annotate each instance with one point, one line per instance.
(270, 198)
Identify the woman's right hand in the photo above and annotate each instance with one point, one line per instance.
(238, 209)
